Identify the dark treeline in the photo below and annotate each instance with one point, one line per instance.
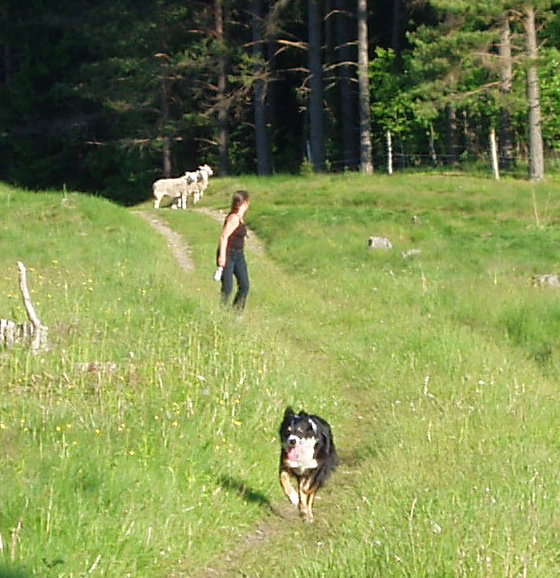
(107, 96)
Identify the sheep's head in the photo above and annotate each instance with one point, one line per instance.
(206, 169)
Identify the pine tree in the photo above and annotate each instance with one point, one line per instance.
(534, 128)
(315, 64)
(262, 141)
(366, 165)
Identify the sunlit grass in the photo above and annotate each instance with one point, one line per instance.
(143, 443)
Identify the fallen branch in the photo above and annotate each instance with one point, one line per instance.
(31, 332)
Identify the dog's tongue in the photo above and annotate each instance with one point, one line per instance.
(292, 454)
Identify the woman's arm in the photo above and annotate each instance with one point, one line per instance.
(232, 222)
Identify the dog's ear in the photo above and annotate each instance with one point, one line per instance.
(326, 442)
(286, 421)
(289, 413)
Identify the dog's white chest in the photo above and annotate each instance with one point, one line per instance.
(301, 457)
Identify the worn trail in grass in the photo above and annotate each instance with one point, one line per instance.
(280, 520)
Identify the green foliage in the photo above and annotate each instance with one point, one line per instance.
(455, 66)
(94, 97)
(550, 96)
(392, 107)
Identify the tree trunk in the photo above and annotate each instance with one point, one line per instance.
(535, 142)
(366, 165)
(164, 120)
(432, 145)
(506, 156)
(396, 32)
(5, 25)
(470, 147)
(166, 150)
(451, 146)
(272, 92)
(259, 91)
(223, 153)
(345, 59)
(7, 63)
(316, 117)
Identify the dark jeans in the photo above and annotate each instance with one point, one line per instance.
(235, 265)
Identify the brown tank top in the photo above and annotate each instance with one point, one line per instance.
(237, 238)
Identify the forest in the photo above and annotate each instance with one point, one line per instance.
(107, 96)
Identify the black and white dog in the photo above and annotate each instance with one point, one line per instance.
(308, 454)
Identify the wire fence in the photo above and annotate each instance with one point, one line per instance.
(425, 160)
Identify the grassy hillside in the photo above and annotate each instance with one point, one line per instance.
(143, 443)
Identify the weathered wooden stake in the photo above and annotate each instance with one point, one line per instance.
(389, 153)
(32, 332)
(494, 155)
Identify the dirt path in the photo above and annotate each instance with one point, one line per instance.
(179, 249)
(177, 246)
(243, 559)
(230, 563)
(253, 242)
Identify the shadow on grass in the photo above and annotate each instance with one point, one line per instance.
(246, 493)
(12, 572)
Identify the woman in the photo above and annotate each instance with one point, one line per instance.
(230, 251)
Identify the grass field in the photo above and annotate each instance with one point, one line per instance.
(143, 443)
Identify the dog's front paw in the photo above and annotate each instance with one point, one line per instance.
(294, 499)
(307, 515)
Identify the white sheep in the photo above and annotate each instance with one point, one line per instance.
(192, 189)
(174, 188)
(203, 173)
